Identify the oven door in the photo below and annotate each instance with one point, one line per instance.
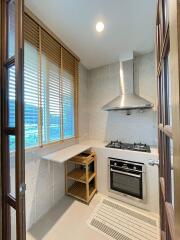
(124, 181)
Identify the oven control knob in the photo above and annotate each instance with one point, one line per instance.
(115, 164)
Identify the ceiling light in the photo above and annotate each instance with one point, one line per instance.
(99, 26)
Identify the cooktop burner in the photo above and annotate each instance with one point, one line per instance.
(129, 146)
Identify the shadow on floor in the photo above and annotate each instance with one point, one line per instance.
(43, 226)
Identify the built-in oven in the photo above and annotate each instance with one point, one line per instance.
(127, 178)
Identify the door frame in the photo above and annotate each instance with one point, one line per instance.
(168, 50)
(174, 25)
(8, 201)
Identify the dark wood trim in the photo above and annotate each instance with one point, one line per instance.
(174, 24)
(163, 51)
(163, 236)
(10, 131)
(9, 201)
(6, 224)
(20, 153)
(165, 132)
(170, 218)
(0, 119)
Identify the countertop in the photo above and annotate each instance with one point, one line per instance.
(69, 152)
(101, 144)
(66, 153)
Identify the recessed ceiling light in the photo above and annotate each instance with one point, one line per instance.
(99, 26)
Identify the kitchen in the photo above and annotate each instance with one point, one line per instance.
(92, 122)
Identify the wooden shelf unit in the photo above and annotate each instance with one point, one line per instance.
(83, 178)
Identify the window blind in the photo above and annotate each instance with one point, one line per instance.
(51, 103)
(68, 92)
(50, 88)
(31, 82)
(12, 95)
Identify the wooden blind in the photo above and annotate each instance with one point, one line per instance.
(31, 82)
(50, 77)
(68, 92)
(51, 84)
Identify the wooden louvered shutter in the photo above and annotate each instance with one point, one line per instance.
(51, 88)
(31, 82)
(69, 93)
(51, 99)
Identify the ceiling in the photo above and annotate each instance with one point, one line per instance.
(129, 26)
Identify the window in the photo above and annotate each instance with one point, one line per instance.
(50, 83)
(11, 29)
(31, 83)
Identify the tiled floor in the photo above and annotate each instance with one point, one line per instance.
(67, 221)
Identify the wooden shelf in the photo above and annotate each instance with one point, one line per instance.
(78, 190)
(79, 175)
(84, 184)
(83, 159)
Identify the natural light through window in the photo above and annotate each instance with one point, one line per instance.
(50, 75)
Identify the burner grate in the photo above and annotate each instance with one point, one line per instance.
(129, 146)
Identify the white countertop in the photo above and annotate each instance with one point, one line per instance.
(69, 152)
(136, 156)
(66, 153)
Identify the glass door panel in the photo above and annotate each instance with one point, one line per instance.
(12, 161)
(11, 96)
(11, 28)
(13, 224)
(12, 125)
(172, 172)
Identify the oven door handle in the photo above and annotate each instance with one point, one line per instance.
(126, 173)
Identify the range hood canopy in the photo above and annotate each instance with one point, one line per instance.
(127, 99)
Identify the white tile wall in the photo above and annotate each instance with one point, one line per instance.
(103, 86)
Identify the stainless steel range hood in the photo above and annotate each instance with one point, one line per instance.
(127, 99)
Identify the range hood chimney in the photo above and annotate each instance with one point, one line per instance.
(127, 99)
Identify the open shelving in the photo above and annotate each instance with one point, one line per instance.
(80, 174)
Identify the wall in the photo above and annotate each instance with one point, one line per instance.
(45, 179)
(103, 86)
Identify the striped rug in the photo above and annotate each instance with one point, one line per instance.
(119, 222)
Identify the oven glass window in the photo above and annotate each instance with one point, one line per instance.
(127, 183)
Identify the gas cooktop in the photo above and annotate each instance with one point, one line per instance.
(140, 147)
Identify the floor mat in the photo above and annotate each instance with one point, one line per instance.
(119, 222)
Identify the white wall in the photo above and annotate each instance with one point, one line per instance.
(44, 181)
(103, 86)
